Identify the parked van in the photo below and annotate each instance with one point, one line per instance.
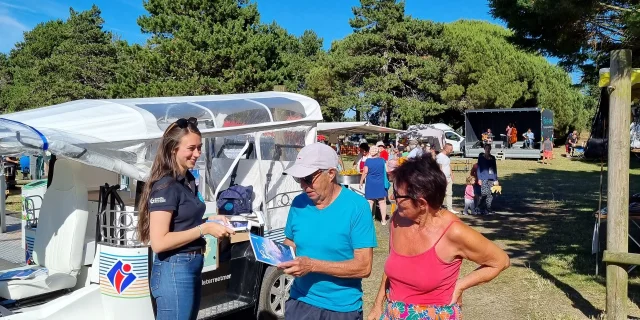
(452, 137)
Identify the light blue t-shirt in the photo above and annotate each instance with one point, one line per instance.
(330, 234)
(416, 152)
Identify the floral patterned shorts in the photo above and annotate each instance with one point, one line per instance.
(396, 310)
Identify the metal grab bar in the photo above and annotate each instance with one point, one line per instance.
(119, 228)
(31, 221)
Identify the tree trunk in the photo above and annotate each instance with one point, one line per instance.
(388, 118)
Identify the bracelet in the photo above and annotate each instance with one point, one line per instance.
(200, 228)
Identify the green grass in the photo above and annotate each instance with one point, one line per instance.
(13, 204)
(545, 222)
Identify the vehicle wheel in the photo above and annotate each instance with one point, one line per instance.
(273, 294)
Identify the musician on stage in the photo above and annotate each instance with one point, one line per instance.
(528, 139)
(487, 137)
(508, 137)
(513, 138)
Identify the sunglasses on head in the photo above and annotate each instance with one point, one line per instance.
(308, 180)
(183, 123)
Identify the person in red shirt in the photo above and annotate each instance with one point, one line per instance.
(384, 154)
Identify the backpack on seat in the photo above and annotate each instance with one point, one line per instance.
(236, 199)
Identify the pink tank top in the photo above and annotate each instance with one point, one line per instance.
(421, 279)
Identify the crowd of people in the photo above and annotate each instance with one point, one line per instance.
(375, 164)
(331, 229)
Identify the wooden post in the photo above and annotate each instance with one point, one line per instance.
(618, 181)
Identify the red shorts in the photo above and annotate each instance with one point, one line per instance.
(548, 154)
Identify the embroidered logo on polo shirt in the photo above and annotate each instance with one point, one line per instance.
(157, 200)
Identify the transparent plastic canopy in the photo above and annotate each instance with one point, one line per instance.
(116, 134)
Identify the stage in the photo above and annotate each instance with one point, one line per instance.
(478, 122)
(515, 152)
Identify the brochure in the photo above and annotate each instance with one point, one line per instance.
(23, 274)
(238, 226)
(270, 252)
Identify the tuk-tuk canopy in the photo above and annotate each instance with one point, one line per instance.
(118, 134)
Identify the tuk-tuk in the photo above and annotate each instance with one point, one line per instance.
(84, 232)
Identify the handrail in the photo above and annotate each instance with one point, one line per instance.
(118, 228)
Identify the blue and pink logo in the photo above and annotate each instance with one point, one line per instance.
(120, 276)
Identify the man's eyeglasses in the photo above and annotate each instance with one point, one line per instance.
(183, 123)
(397, 196)
(308, 180)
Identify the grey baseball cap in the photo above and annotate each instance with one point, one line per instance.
(314, 157)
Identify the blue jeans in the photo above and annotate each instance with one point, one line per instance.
(176, 283)
(529, 143)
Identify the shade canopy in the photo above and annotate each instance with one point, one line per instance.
(353, 127)
(425, 133)
(119, 134)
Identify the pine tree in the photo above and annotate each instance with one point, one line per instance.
(59, 61)
(206, 47)
(390, 65)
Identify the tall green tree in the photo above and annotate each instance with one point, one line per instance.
(205, 47)
(389, 68)
(60, 61)
(5, 77)
(486, 71)
(577, 31)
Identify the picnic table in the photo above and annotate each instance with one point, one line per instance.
(462, 164)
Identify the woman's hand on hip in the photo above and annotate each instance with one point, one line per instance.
(217, 230)
(457, 295)
(375, 313)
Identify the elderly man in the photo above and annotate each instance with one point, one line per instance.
(445, 165)
(332, 232)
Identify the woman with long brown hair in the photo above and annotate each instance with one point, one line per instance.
(171, 220)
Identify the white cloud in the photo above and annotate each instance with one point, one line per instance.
(15, 6)
(9, 22)
(11, 28)
(50, 8)
(12, 31)
(13, 18)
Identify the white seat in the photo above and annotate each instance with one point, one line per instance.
(60, 234)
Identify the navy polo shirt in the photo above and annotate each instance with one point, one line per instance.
(179, 196)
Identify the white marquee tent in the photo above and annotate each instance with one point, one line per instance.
(353, 127)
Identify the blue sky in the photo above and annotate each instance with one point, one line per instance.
(328, 18)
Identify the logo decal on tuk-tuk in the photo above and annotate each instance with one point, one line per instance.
(120, 276)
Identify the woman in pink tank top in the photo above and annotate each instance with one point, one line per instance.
(426, 247)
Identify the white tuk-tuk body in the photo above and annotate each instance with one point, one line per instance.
(106, 271)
